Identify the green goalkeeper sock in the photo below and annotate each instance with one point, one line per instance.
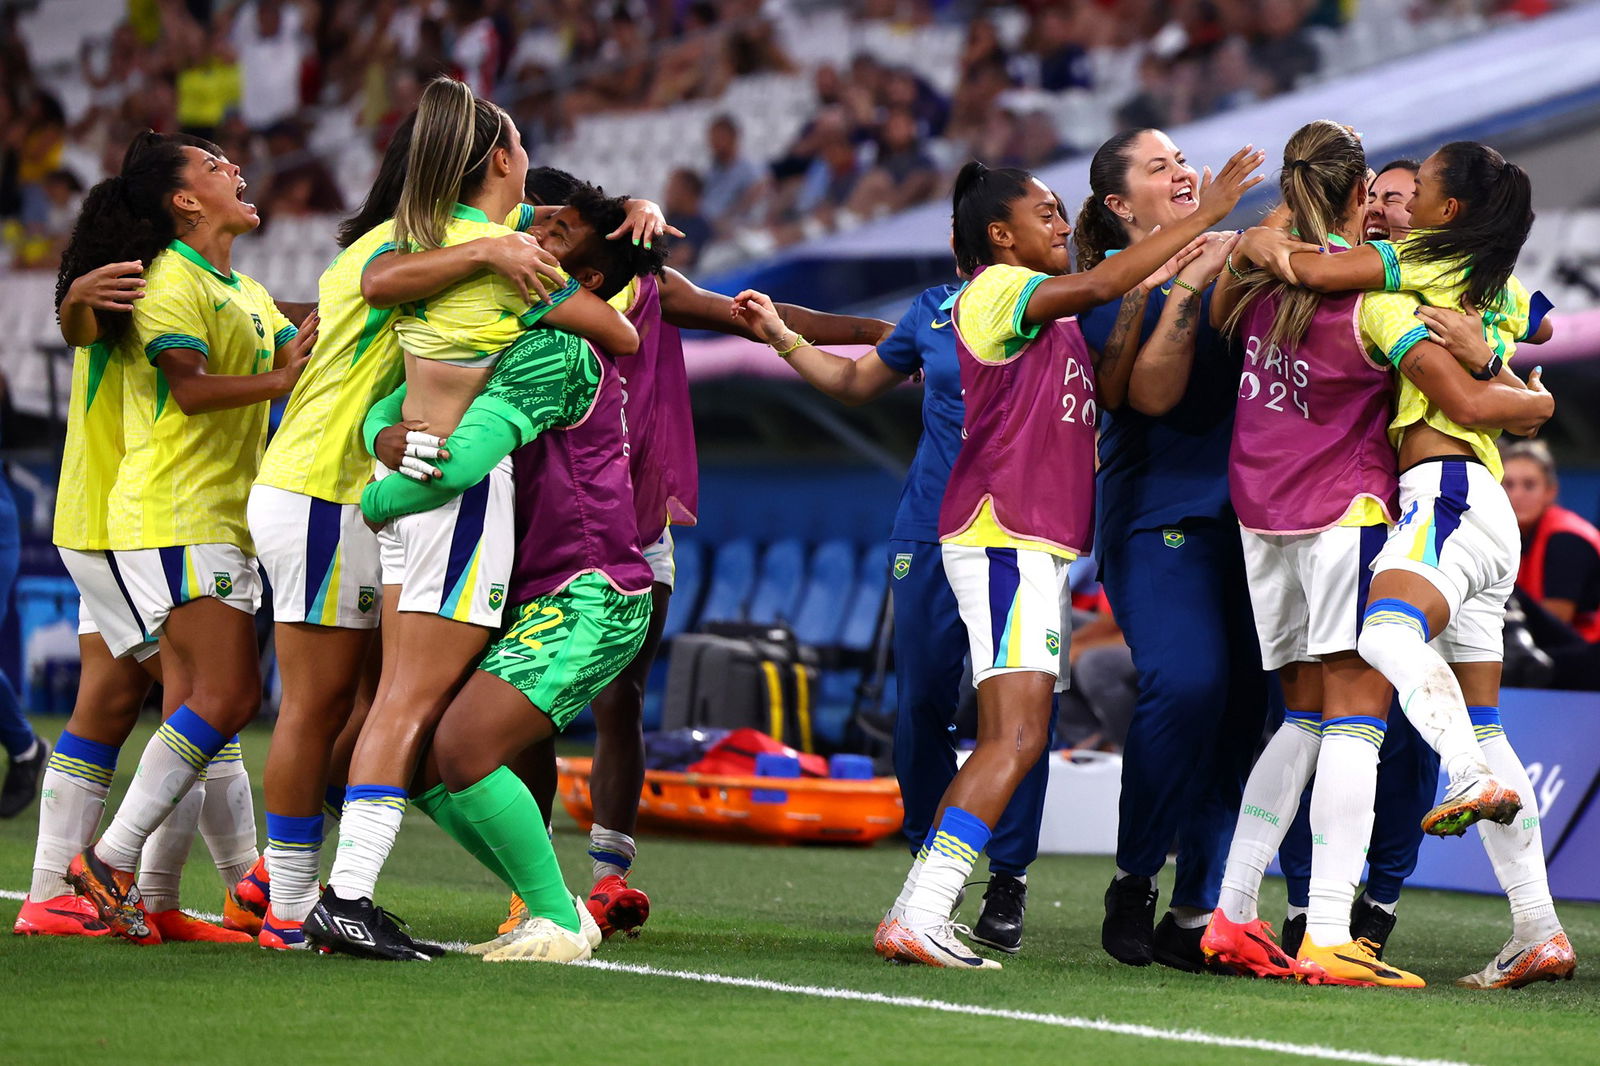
(437, 804)
(503, 812)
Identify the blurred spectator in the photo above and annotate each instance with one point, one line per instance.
(683, 206)
(266, 35)
(42, 242)
(730, 178)
(209, 85)
(1234, 81)
(1283, 49)
(300, 184)
(830, 179)
(41, 138)
(981, 48)
(477, 51)
(752, 42)
(902, 88)
(1560, 549)
(904, 173)
(1063, 61)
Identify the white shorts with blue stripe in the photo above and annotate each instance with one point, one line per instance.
(1458, 532)
(105, 606)
(1017, 607)
(319, 557)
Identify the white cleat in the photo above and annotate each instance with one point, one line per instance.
(540, 940)
(587, 925)
(1475, 797)
(1522, 962)
(931, 944)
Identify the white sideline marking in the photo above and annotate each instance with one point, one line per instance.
(1063, 1021)
(1060, 1021)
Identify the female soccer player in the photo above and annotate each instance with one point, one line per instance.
(1019, 504)
(1170, 557)
(466, 166)
(1451, 563)
(194, 426)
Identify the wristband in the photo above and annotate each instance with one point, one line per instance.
(1491, 369)
(1233, 269)
(799, 342)
(1186, 285)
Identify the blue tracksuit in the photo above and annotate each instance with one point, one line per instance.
(1173, 569)
(16, 735)
(930, 643)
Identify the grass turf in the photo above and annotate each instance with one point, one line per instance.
(796, 915)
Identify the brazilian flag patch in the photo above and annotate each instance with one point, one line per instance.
(1172, 538)
(1052, 642)
(497, 596)
(902, 565)
(366, 598)
(223, 583)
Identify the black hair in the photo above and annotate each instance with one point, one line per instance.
(547, 186)
(379, 205)
(1098, 229)
(1400, 164)
(982, 195)
(618, 261)
(124, 218)
(695, 181)
(1490, 229)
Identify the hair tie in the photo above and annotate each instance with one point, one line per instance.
(1291, 164)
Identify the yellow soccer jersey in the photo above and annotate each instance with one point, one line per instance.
(991, 308)
(184, 479)
(317, 450)
(477, 317)
(93, 449)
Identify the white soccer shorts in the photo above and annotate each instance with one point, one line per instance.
(455, 560)
(662, 564)
(104, 605)
(1308, 590)
(1457, 530)
(319, 557)
(160, 579)
(1016, 605)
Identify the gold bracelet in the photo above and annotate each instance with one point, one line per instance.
(1185, 284)
(799, 342)
(1233, 269)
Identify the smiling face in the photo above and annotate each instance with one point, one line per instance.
(1430, 207)
(213, 191)
(1388, 216)
(1036, 231)
(1161, 185)
(1531, 492)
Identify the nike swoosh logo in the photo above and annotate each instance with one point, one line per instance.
(90, 925)
(1512, 961)
(223, 304)
(939, 325)
(1274, 952)
(1381, 971)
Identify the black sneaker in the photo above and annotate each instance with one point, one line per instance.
(1294, 931)
(1371, 922)
(361, 928)
(1173, 945)
(1128, 933)
(1000, 922)
(22, 782)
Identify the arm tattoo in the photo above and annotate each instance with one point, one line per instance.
(1183, 329)
(1131, 311)
(1412, 364)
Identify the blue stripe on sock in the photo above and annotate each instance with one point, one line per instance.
(90, 751)
(615, 858)
(373, 792)
(965, 827)
(284, 829)
(1484, 715)
(1360, 726)
(196, 731)
(1400, 607)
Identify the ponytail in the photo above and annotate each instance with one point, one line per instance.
(451, 142)
(1323, 163)
(1496, 198)
(981, 196)
(1098, 229)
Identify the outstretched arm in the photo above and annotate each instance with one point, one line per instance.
(850, 381)
(687, 306)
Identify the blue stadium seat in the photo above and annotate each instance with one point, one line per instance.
(689, 558)
(861, 623)
(783, 575)
(733, 575)
(820, 616)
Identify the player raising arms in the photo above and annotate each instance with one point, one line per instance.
(466, 166)
(1020, 502)
(194, 425)
(1451, 564)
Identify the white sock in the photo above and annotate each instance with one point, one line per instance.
(613, 852)
(1387, 908)
(1190, 917)
(294, 881)
(933, 896)
(1291, 912)
(1517, 850)
(1271, 799)
(1394, 644)
(69, 811)
(910, 882)
(228, 818)
(366, 836)
(167, 849)
(1341, 824)
(163, 778)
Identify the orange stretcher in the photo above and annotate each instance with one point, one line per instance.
(771, 809)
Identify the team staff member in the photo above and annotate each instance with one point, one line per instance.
(1171, 562)
(1560, 568)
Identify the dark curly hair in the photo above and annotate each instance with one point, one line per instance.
(619, 261)
(126, 218)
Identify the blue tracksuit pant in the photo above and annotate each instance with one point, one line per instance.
(16, 735)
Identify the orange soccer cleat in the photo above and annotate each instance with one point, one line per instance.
(114, 896)
(64, 915)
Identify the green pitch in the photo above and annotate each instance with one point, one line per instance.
(798, 916)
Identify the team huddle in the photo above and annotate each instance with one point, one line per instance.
(465, 520)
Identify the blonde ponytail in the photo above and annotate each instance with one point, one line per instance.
(445, 149)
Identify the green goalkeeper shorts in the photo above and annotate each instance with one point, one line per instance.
(561, 650)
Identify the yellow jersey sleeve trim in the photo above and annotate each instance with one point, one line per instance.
(991, 309)
(521, 218)
(284, 336)
(168, 341)
(1389, 326)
